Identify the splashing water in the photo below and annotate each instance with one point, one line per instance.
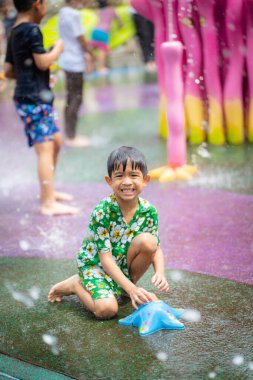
(176, 275)
(51, 341)
(28, 62)
(212, 375)
(192, 315)
(34, 292)
(46, 96)
(250, 365)
(18, 296)
(238, 360)
(53, 240)
(231, 26)
(24, 245)
(162, 356)
(226, 53)
(203, 152)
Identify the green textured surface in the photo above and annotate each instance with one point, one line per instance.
(91, 349)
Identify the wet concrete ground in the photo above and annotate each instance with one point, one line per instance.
(206, 234)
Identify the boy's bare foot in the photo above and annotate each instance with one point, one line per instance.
(78, 142)
(63, 288)
(103, 70)
(57, 208)
(151, 66)
(63, 196)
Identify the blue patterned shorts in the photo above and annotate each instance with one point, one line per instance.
(40, 122)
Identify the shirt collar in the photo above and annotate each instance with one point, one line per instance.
(144, 205)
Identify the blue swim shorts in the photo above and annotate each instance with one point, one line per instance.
(40, 122)
(100, 36)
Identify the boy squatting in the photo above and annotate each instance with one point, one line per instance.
(123, 242)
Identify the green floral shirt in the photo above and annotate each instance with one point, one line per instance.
(109, 232)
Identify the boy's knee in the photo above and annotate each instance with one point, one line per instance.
(106, 308)
(148, 243)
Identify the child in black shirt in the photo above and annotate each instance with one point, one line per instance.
(28, 63)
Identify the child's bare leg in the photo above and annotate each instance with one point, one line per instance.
(49, 206)
(89, 63)
(140, 255)
(104, 308)
(101, 59)
(57, 146)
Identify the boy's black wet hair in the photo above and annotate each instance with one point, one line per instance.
(121, 155)
(3, 3)
(24, 5)
(102, 3)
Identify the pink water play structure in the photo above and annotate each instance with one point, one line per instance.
(204, 50)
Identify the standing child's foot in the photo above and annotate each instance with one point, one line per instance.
(63, 288)
(103, 70)
(78, 142)
(60, 196)
(57, 208)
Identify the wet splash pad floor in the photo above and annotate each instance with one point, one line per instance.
(206, 233)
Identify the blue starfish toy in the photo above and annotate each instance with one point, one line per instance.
(154, 316)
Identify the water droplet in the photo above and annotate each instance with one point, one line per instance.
(24, 245)
(192, 315)
(243, 50)
(176, 275)
(231, 26)
(28, 62)
(226, 53)
(250, 365)
(49, 339)
(203, 152)
(34, 292)
(46, 96)
(162, 356)
(55, 350)
(238, 360)
(18, 296)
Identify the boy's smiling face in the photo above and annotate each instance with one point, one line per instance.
(128, 184)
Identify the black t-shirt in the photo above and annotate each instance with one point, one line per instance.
(32, 84)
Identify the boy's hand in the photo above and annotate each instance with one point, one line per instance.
(160, 282)
(140, 296)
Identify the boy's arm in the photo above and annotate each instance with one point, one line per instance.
(138, 295)
(9, 71)
(158, 279)
(43, 61)
(84, 44)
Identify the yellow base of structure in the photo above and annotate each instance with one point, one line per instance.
(167, 173)
(216, 133)
(234, 121)
(250, 123)
(163, 128)
(194, 111)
